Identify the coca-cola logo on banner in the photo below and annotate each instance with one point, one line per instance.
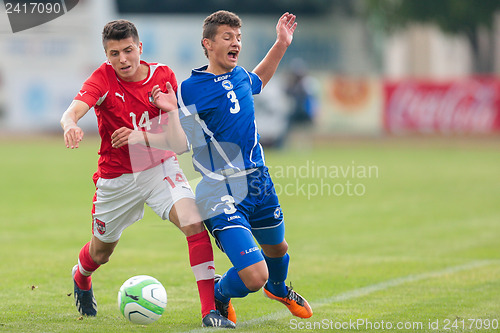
(462, 106)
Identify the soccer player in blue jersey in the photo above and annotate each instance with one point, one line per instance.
(236, 194)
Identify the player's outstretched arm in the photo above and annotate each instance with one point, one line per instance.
(72, 133)
(126, 136)
(284, 31)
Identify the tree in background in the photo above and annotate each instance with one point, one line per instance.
(299, 7)
(466, 17)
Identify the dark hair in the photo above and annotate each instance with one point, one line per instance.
(118, 30)
(213, 21)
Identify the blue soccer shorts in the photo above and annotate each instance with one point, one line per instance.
(238, 224)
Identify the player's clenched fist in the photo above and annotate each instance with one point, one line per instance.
(124, 136)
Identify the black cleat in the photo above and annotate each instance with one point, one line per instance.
(215, 319)
(84, 299)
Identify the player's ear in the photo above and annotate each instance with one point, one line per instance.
(207, 43)
(140, 47)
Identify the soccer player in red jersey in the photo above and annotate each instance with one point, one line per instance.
(130, 174)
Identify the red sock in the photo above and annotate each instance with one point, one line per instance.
(201, 258)
(86, 266)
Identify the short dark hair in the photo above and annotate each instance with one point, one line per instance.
(213, 21)
(118, 30)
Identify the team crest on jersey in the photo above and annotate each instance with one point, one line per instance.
(151, 99)
(100, 226)
(277, 213)
(227, 84)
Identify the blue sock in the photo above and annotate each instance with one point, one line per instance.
(278, 271)
(229, 286)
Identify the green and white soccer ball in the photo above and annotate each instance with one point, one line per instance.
(142, 299)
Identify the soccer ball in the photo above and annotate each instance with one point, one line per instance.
(142, 299)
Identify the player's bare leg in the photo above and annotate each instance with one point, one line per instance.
(100, 251)
(254, 276)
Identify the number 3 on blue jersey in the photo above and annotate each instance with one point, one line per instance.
(229, 201)
(232, 97)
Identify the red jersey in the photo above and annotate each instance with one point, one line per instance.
(119, 103)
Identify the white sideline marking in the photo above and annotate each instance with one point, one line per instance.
(368, 290)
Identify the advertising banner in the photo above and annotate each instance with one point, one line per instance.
(462, 106)
(350, 106)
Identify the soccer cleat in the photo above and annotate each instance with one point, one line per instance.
(215, 319)
(297, 304)
(84, 299)
(225, 309)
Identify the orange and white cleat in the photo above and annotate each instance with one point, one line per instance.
(297, 304)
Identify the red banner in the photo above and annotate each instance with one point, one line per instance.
(470, 105)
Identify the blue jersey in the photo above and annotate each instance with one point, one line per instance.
(236, 192)
(218, 116)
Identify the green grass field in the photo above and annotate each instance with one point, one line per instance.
(410, 239)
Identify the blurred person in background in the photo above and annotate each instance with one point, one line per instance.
(287, 107)
(302, 91)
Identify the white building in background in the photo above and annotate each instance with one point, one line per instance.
(42, 68)
(425, 51)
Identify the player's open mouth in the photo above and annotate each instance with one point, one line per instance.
(125, 68)
(233, 55)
